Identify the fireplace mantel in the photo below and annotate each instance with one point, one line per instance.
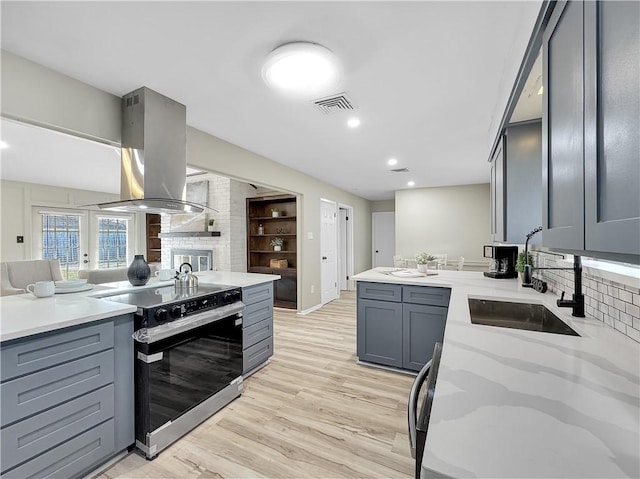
(178, 234)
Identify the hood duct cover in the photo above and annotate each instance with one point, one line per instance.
(154, 155)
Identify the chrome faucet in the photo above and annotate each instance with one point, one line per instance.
(577, 301)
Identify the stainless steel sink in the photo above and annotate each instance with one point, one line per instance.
(532, 317)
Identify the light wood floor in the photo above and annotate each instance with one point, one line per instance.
(311, 413)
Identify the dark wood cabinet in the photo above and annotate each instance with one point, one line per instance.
(154, 246)
(262, 228)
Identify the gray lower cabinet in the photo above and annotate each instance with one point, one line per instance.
(422, 328)
(591, 129)
(402, 331)
(67, 399)
(257, 326)
(379, 326)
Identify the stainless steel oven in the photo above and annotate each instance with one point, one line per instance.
(188, 360)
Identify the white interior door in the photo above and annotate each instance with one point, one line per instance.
(328, 251)
(384, 238)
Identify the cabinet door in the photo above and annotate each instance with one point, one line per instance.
(562, 128)
(422, 328)
(380, 332)
(498, 193)
(612, 127)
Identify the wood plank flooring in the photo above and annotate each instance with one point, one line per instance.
(311, 413)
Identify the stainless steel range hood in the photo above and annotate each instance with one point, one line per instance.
(154, 155)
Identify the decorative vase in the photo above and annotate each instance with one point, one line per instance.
(277, 248)
(139, 271)
(274, 214)
(210, 229)
(422, 268)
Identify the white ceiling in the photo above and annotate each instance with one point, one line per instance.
(429, 80)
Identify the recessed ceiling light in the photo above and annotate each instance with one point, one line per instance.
(302, 68)
(353, 122)
(3, 145)
(411, 183)
(392, 162)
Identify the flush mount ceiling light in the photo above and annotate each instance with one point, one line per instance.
(392, 162)
(411, 183)
(301, 69)
(353, 122)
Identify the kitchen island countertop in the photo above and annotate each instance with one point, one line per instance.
(25, 315)
(514, 403)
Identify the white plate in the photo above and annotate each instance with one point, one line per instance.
(75, 289)
(70, 283)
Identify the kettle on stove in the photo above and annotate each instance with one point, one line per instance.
(186, 281)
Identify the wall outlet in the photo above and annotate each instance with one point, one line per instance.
(310, 235)
(313, 288)
(19, 239)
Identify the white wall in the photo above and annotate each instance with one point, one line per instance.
(19, 198)
(37, 95)
(451, 219)
(382, 206)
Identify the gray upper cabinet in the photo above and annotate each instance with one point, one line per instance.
(516, 183)
(498, 194)
(523, 180)
(562, 128)
(612, 127)
(591, 129)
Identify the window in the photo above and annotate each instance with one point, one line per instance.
(83, 241)
(61, 240)
(112, 242)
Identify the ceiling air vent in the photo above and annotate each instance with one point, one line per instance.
(400, 170)
(335, 103)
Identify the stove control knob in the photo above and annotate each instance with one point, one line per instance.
(161, 315)
(176, 311)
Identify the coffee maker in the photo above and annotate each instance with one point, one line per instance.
(503, 264)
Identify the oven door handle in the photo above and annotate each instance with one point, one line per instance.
(158, 333)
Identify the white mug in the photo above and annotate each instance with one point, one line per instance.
(42, 289)
(165, 274)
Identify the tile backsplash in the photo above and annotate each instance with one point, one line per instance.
(613, 303)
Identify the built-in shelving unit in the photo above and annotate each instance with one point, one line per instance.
(259, 249)
(154, 247)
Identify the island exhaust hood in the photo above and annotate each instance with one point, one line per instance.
(154, 156)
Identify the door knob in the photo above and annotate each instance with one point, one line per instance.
(377, 251)
(85, 261)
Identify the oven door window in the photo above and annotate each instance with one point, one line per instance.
(194, 366)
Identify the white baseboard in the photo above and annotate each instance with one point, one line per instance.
(304, 312)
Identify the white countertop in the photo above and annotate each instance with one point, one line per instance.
(514, 403)
(25, 315)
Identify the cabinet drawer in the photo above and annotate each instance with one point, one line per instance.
(24, 357)
(426, 295)
(30, 437)
(257, 354)
(380, 291)
(257, 332)
(256, 312)
(36, 392)
(257, 293)
(70, 459)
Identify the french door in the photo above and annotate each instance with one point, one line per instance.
(82, 239)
